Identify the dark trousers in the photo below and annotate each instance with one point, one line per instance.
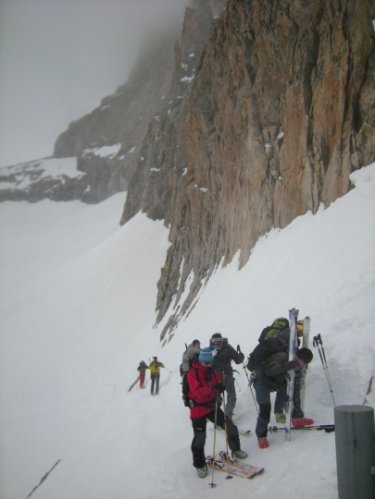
(155, 384)
(199, 440)
(263, 396)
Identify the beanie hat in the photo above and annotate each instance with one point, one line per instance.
(305, 354)
(205, 355)
(216, 338)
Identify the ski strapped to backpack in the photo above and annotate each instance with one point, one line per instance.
(293, 316)
(305, 344)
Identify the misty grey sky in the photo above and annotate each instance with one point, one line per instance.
(59, 58)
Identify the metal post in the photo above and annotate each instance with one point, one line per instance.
(355, 451)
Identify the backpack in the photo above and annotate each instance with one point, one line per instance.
(279, 330)
(186, 388)
(273, 339)
(190, 359)
(185, 391)
(275, 364)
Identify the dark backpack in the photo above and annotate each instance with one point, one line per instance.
(191, 359)
(185, 388)
(275, 365)
(273, 339)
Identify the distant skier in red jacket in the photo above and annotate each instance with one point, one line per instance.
(142, 373)
(205, 386)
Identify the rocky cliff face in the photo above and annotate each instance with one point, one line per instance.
(279, 111)
(255, 114)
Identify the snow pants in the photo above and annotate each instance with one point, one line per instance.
(199, 439)
(142, 376)
(263, 396)
(155, 384)
(231, 396)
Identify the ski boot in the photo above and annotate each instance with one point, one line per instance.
(302, 422)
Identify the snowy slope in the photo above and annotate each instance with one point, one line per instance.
(77, 315)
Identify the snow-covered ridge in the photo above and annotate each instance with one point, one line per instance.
(103, 151)
(64, 179)
(31, 172)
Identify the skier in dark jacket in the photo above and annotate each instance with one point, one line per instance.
(270, 364)
(205, 386)
(224, 354)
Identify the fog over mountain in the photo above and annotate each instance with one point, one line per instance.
(59, 58)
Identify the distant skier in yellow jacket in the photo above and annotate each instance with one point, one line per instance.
(154, 367)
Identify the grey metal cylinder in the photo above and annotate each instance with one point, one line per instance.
(355, 451)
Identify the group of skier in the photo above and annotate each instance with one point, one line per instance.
(209, 391)
(154, 368)
(208, 383)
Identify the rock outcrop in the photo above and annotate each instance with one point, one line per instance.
(257, 113)
(278, 113)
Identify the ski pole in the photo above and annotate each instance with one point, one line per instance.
(212, 484)
(318, 343)
(249, 380)
(226, 438)
(368, 390)
(253, 394)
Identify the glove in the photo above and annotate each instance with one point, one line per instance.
(241, 357)
(292, 364)
(218, 387)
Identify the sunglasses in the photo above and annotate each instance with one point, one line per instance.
(207, 363)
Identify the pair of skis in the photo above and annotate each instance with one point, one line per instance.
(293, 316)
(226, 464)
